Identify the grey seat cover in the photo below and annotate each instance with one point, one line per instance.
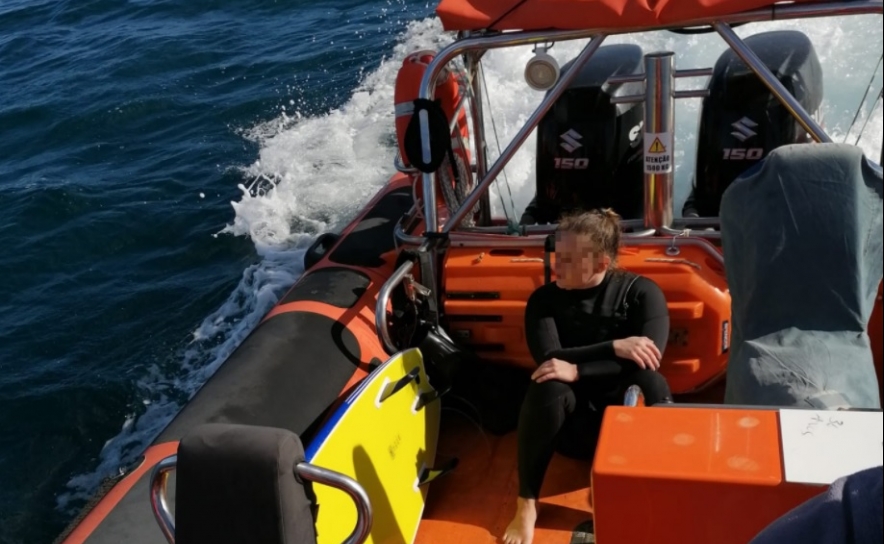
(802, 238)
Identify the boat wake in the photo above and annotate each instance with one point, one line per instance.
(314, 173)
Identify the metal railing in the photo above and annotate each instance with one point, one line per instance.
(721, 25)
(659, 119)
(380, 310)
(632, 396)
(159, 502)
(714, 234)
(659, 93)
(466, 239)
(552, 96)
(406, 239)
(771, 82)
(166, 519)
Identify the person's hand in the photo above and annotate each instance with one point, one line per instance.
(556, 369)
(640, 349)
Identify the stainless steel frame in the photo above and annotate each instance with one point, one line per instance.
(483, 43)
(406, 239)
(159, 502)
(465, 239)
(662, 227)
(709, 232)
(380, 310)
(507, 154)
(166, 519)
(771, 82)
(632, 396)
(660, 118)
(632, 228)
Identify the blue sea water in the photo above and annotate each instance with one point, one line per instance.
(163, 164)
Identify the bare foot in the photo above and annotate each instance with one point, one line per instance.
(521, 528)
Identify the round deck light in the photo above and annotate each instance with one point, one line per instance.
(542, 71)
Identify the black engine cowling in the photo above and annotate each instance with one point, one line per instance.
(742, 121)
(588, 149)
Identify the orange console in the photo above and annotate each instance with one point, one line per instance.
(691, 474)
(486, 288)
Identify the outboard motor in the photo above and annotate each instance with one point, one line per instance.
(588, 149)
(742, 121)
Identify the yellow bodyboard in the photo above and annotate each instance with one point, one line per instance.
(384, 437)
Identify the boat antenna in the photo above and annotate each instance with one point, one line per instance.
(511, 223)
(881, 158)
(862, 102)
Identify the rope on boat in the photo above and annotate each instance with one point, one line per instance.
(456, 192)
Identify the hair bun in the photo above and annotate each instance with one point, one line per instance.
(610, 214)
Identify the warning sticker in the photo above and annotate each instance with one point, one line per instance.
(658, 153)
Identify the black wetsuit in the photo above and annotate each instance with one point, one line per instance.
(580, 326)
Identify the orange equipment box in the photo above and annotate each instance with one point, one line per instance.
(684, 474)
(485, 289)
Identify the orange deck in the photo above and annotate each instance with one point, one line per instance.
(475, 502)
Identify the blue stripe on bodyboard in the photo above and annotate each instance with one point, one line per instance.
(323, 433)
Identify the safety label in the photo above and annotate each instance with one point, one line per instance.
(658, 152)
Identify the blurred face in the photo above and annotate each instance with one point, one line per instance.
(577, 262)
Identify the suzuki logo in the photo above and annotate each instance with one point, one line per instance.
(570, 141)
(634, 134)
(744, 129)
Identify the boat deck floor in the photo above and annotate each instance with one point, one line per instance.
(474, 503)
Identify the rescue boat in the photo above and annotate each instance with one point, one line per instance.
(425, 272)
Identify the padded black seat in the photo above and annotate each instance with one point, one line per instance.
(236, 484)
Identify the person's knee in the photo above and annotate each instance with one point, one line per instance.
(548, 393)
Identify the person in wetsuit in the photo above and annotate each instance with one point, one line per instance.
(593, 332)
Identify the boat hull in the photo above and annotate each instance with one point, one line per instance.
(293, 369)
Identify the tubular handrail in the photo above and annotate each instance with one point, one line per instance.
(351, 487)
(399, 164)
(380, 311)
(406, 239)
(640, 78)
(159, 503)
(550, 228)
(166, 519)
(676, 241)
(553, 94)
(646, 233)
(681, 225)
(462, 239)
(689, 232)
(773, 84)
(697, 222)
(509, 39)
(668, 232)
(632, 396)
